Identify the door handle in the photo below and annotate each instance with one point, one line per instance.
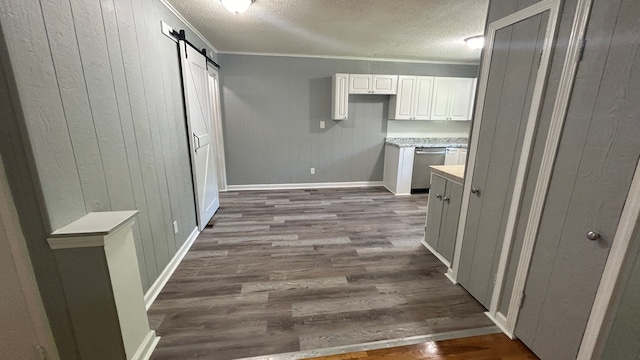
(446, 198)
(196, 142)
(593, 235)
(475, 190)
(438, 196)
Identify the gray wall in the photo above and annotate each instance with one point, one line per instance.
(92, 120)
(272, 107)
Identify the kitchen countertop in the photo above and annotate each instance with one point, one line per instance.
(436, 142)
(450, 172)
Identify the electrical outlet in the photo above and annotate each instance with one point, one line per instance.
(313, 171)
(322, 124)
(175, 227)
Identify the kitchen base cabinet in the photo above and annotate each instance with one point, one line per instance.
(398, 169)
(445, 198)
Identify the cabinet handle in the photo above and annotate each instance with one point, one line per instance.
(438, 196)
(446, 198)
(475, 190)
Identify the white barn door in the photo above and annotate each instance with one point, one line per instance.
(200, 132)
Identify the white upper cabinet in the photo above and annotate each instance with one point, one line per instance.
(422, 97)
(340, 97)
(373, 84)
(413, 101)
(453, 98)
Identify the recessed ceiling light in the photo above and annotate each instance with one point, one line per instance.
(475, 42)
(236, 6)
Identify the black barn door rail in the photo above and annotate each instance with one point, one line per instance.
(182, 36)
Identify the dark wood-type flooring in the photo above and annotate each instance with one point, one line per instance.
(485, 347)
(284, 271)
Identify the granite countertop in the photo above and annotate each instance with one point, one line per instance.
(435, 142)
(451, 172)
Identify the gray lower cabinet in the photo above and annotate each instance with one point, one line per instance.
(445, 197)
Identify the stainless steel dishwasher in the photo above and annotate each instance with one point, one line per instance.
(424, 157)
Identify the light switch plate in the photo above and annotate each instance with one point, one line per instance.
(322, 124)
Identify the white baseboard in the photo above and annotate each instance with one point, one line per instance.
(501, 322)
(327, 185)
(449, 275)
(161, 281)
(434, 252)
(398, 194)
(147, 346)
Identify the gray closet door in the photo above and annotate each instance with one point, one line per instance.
(512, 76)
(598, 153)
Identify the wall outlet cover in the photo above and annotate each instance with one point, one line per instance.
(313, 171)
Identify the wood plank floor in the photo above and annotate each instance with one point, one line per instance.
(494, 347)
(285, 271)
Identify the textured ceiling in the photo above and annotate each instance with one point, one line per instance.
(398, 29)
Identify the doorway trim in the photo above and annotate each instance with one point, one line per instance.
(213, 77)
(553, 7)
(558, 117)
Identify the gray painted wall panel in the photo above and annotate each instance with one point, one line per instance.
(38, 89)
(272, 107)
(75, 101)
(100, 109)
(20, 169)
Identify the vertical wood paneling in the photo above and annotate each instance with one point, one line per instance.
(137, 134)
(59, 23)
(142, 227)
(39, 91)
(101, 95)
(148, 137)
(563, 288)
(157, 114)
(102, 99)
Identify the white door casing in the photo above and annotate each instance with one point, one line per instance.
(553, 7)
(200, 132)
(216, 119)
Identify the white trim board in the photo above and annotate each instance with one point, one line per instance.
(147, 346)
(360, 58)
(532, 120)
(155, 288)
(523, 165)
(188, 24)
(327, 185)
(558, 116)
(436, 254)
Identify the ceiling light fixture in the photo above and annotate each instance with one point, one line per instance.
(236, 6)
(475, 42)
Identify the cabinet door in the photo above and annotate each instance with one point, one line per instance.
(450, 216)
(461, 98)
(422, 98)
(434, 210)
(441, 97)
(340, 97)
(384, 84)
(360, 83)
(462, 159)
(403, 102)
(452, 157)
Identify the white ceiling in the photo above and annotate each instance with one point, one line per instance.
(431, 30)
